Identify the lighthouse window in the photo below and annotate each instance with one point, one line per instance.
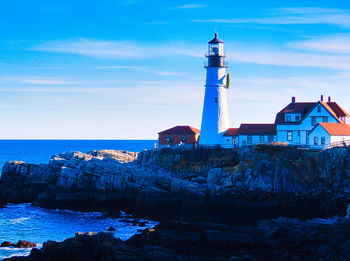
(216, 99)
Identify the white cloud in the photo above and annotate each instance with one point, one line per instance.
(311, 10)
(118, 49)
(188, 6)
(289, 58)
(163, 73)
(35, 80)
(333, 44)
(338, 17)
(134, 67)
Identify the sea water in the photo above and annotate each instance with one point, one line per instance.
(40, 151)
(35, 224)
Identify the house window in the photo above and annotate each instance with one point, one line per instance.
(319, 108)
(307, 138)
(313, 121)
(315, 140)
(216, 99)
(261, 138)
(323, 140)
(325, 119)
(297, 118)
(169, 139)
(270, 138)
(249, 139)
(289, 135)
(234, 140)
(288, 118)
(183, 139)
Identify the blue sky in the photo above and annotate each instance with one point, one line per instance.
(129, 69)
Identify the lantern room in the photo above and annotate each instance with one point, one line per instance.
(215, 53)
(216, 47)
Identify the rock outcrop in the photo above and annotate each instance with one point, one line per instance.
(174, 181)
(276, 239)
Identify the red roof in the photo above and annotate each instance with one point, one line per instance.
(179, 130)
(336, 129)
(339, 111)
(257, 129)
(304, 108)
(231, 132)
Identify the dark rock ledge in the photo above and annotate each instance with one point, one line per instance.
(276, 239)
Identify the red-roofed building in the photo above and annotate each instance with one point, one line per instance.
(326, 133)
(250, 134)
(295, 122)
(179, 135)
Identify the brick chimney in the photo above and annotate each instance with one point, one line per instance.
(293, 100)
(329, 99)
(321, 97)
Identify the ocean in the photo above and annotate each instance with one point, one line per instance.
(40, 151)
(25, 222)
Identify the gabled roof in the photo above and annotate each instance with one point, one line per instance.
(304, 108)
(231, 132)
(179, 130)
(257, 129)
(335, 129)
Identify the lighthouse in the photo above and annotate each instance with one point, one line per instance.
(215, 120)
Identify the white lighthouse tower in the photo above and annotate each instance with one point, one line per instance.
(215, 120)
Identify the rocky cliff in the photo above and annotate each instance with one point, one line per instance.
(179, 180)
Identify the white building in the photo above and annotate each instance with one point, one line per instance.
(295, 122)
(310, 124)
(250, 134)
(324, 134)
(215, 120)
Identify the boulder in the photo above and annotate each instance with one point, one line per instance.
(7, 244)
(25, 244)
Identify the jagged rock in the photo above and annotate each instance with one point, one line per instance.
(7, 244)
(171, 181)
(25, 244)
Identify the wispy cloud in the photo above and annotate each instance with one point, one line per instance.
(36, 80)
(117, 49)
(134, 67)
(337, 17)
(188, 6)
(163, 73)
(290, 58)
(156, 22)
(331, 43)
(146, 69)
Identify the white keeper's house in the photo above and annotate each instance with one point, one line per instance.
(310, 124)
